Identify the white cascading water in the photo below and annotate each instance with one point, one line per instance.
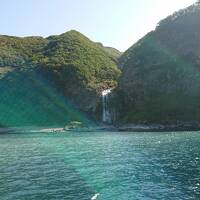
(106, 115)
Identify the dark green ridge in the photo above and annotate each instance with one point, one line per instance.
(160, 80)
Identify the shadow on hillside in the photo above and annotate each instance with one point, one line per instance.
(28, 98)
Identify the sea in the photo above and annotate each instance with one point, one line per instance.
(115, 165)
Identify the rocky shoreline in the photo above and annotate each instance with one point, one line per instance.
(159, 127)
(112, 128)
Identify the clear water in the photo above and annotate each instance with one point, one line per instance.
(119, 166)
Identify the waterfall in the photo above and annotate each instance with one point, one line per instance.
(106, 114)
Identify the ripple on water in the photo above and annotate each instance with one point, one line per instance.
(119, 166)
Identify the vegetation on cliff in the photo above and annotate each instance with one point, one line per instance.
(52, 78)
(61, 77)
(160, 82)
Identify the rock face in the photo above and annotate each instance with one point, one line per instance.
(52, 80)
(160, 82)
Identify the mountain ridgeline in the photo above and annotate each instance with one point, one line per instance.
(54, 80)
(160, 80)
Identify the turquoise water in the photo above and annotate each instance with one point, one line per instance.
(119, 166)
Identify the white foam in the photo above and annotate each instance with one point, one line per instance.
(106, 92)
(95, 196)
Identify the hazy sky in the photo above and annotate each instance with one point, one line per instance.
(117, 23)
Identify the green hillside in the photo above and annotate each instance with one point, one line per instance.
(114, 53)
(160, 82)
(49, 81)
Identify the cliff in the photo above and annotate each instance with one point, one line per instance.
(160, 80)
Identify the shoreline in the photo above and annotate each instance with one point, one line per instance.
(107, 127)
(159, 128)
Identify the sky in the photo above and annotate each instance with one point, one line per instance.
(116, 23)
